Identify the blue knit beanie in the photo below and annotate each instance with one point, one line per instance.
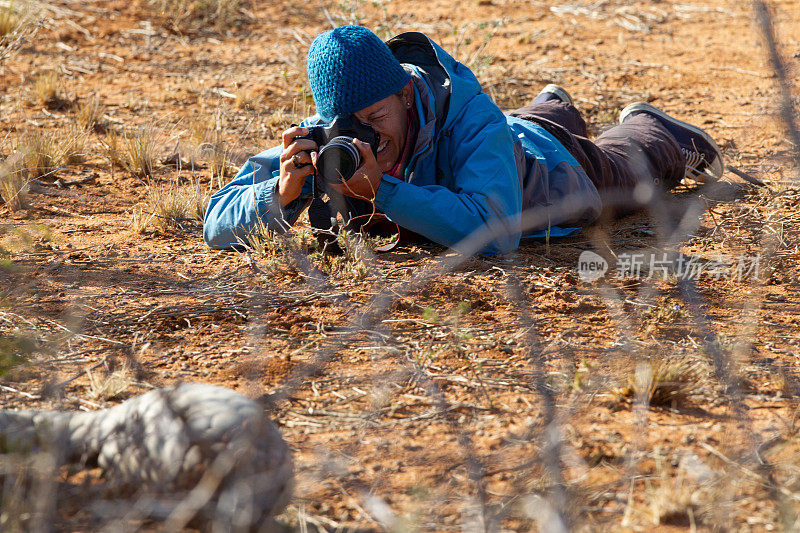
(350, 68)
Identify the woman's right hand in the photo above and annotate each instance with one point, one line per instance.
(295, 170)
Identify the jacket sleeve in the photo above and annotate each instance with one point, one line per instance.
(479, 191)
(249, 201)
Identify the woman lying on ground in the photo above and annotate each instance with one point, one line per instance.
(447, 162)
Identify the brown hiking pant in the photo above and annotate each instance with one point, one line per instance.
(640, 149)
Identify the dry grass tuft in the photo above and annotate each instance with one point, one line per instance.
(206, 134)
(170, 206)
(89, 113)
(134, 150)
(281, 252)
(201, 128)
(275, 252)
(670, 381)
(683, 496)
(10, 20)
(265, 242)
(250, 99)
(14, 183)
(667, 380)
(48, 90)
(16, 26)
(353, 261)
(44, 153)
(189, 15)
(279, 118)
(220, 164)
(110, 385)
(38, 155)
(276, 122)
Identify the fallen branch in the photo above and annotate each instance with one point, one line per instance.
(745, 176)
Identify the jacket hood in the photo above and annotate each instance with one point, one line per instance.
(452, 83)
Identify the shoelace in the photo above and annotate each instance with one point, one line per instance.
(693, 160)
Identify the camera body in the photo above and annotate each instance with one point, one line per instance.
(337, 156)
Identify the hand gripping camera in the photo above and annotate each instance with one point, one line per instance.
(338, 158)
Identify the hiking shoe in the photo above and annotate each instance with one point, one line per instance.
(553, 92)
(703, 157)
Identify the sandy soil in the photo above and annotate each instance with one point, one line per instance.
(497, 394)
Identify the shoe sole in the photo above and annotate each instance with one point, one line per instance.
(715, 168)
(558, 91)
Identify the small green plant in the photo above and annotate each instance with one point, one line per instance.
(582, 378)
(355, 253)
(15, 348)
(662, 316)
(457, 337)
(341, 266)
(379, 241)
(664, 313)
(281, 251)
(429, 314)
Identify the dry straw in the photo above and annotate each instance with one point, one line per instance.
(189, 15)
(110, 385)
(14, 183)
(45, 152)
(170, 206)
(10, 20)
(16, 26)
(38, 155)
(89, 113)
(135, 150)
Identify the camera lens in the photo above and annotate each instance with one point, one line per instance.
(338, 160)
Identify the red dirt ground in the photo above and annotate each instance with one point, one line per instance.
(385, 430)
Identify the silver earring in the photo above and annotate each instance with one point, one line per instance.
(408, 104)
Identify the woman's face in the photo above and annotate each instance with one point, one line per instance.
(389, 118)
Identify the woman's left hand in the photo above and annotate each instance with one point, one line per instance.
(366, 179)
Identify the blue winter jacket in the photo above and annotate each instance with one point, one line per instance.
(472, 168)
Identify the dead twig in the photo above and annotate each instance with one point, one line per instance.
(745, 176)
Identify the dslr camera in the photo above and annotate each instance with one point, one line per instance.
(337, 156)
